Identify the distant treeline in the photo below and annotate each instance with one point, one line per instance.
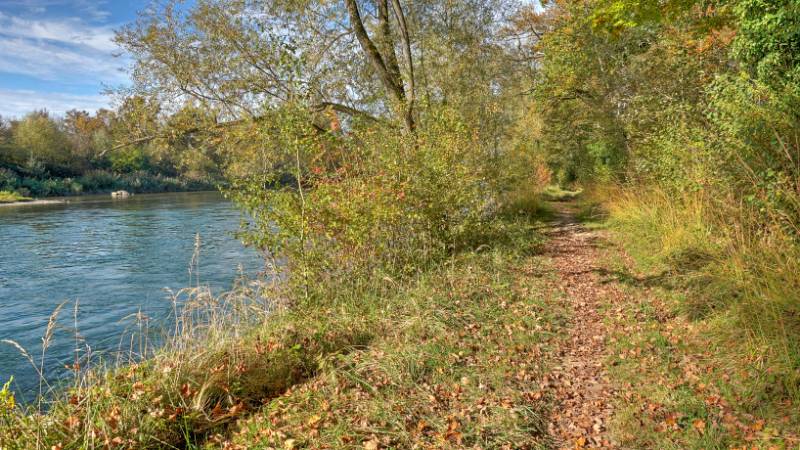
(43, 154)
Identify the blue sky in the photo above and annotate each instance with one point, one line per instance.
(59, 54)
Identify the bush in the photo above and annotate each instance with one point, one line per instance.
(98, 180)
(374, 200)
(129, 159)
(8, 179)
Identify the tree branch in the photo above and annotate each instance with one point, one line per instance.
(344, 109)
(321, 106)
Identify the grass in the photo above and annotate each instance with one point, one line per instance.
(707, 348)
(12, 197)
(459, 365)
(555, 193)
(449, 358)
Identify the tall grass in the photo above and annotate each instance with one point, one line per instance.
(741, 275)
(222, 356)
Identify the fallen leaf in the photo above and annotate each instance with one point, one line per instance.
(72, 422)
(699, 425)
(372, 444)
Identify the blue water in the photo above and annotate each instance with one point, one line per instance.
(115, 257)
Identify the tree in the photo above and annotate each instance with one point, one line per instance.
(363, 59)
(80, 128)
(45, 144)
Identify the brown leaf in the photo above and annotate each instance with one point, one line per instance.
(372, 444)
(217, 411)
(236, 409)
(186, 390)
(72, 422)
(699, 425)
(175, 414)
(314, 421)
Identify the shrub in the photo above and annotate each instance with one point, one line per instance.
(8, 179)
(373, 200)
(129, 159)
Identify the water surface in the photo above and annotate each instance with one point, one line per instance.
(116, 257)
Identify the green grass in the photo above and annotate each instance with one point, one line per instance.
(459, 365)
(12, 197)
(555, 193)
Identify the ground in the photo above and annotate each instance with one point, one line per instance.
(557, 346)
(631, 371)
(582, 391)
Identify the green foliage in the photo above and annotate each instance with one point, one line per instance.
(7, 400)
(42, 141)
(129, 159)
(759, 127)
(11, 197)
(768, 41)
(616, 16)
(372, 200)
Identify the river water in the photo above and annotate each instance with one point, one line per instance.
(115, 257)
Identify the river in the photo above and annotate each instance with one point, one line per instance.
(115, 257)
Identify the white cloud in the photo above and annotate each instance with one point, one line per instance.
(51, 62)
(66, 50)
(93, 9)
(17, 103)
(57, 45)
(67, 31)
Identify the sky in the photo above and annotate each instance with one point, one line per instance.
(59, 54)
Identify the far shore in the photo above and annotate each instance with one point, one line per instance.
(95, 196)
(32, 202)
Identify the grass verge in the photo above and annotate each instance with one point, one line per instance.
(706, 349)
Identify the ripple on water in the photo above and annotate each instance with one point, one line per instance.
(116, 258)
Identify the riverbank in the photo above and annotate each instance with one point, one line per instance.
(463, 332)
(14, 199)
(99, 182)
(31, 203)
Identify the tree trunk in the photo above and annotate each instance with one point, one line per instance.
(391, 81)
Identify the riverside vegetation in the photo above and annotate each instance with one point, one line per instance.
(430, 289)
(43, 155)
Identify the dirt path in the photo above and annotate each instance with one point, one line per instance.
(578, 383)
